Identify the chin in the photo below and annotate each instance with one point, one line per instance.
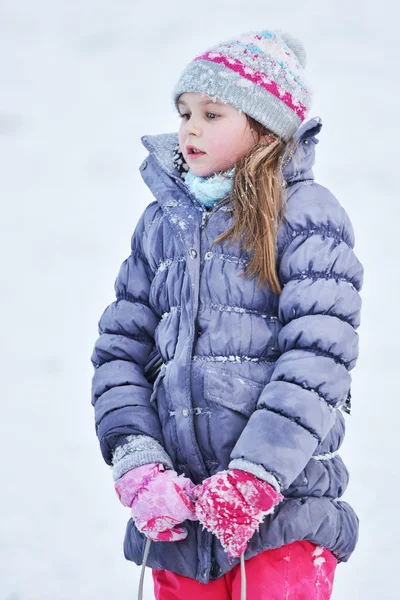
(201, 172)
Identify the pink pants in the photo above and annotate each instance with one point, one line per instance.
(297, 571)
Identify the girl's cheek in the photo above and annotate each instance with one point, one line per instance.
(220, 145)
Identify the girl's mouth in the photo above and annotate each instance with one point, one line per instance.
(194, 153)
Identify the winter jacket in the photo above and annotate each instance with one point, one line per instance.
(249, 379)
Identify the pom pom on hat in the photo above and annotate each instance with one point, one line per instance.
(295, 46)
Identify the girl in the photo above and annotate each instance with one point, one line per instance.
(222, 367)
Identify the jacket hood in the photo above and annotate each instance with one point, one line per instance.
(298, 160)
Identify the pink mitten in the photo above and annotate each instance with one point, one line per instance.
(159, 499)
(231, 504)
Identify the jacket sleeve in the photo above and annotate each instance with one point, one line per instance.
(319, 312)
(120, 391)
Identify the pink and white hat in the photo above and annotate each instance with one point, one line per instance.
(259, 73)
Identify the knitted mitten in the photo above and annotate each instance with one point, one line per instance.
(159, 499)
(231, 504)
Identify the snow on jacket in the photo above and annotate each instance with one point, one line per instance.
(249, 379)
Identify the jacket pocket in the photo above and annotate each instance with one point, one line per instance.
(231, 399)
(230, 390)
(166, 413)
(157, 382)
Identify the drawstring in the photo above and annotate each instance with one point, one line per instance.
(242, 578)
(141, 580)
(146, 554)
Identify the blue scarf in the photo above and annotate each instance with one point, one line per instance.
(208, 190)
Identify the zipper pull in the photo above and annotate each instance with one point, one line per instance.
(204, 218)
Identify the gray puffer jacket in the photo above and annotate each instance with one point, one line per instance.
(249, 379)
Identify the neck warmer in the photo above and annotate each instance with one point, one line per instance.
(208, 190)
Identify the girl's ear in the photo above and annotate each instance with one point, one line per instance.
(268, 139)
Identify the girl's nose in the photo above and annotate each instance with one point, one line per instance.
(192, 127)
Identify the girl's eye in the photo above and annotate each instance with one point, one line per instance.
(211, 116)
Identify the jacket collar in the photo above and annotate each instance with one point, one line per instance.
(298, 161)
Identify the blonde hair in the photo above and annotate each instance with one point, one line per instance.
(257, 196)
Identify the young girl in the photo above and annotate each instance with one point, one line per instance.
(222, 368)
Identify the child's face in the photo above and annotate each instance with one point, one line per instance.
(219, 130)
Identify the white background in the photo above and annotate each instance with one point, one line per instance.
(80, 82)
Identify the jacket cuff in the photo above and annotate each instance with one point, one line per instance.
(257, 470)
(136, 451)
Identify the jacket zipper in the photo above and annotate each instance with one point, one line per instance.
(207, 214)
(204, 219)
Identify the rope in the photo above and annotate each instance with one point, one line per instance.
(141, 580)
(242, 578)
(146, 554)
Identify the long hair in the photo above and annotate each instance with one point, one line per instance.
(257, 196)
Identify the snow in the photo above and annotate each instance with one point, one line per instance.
(81, 82)
(318, 562)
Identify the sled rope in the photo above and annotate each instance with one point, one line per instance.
(141, 580)
(146, 554)
(242, 578)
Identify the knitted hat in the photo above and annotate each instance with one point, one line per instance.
(259, 73)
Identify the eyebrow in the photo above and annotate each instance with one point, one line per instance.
(203, 102)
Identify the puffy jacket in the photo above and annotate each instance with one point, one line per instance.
(249, 378)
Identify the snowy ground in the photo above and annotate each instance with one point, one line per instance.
(80, 83)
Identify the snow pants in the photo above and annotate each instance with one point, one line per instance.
(297, 571)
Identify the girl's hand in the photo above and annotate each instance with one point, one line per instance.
(231, 505)
(159, 500)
